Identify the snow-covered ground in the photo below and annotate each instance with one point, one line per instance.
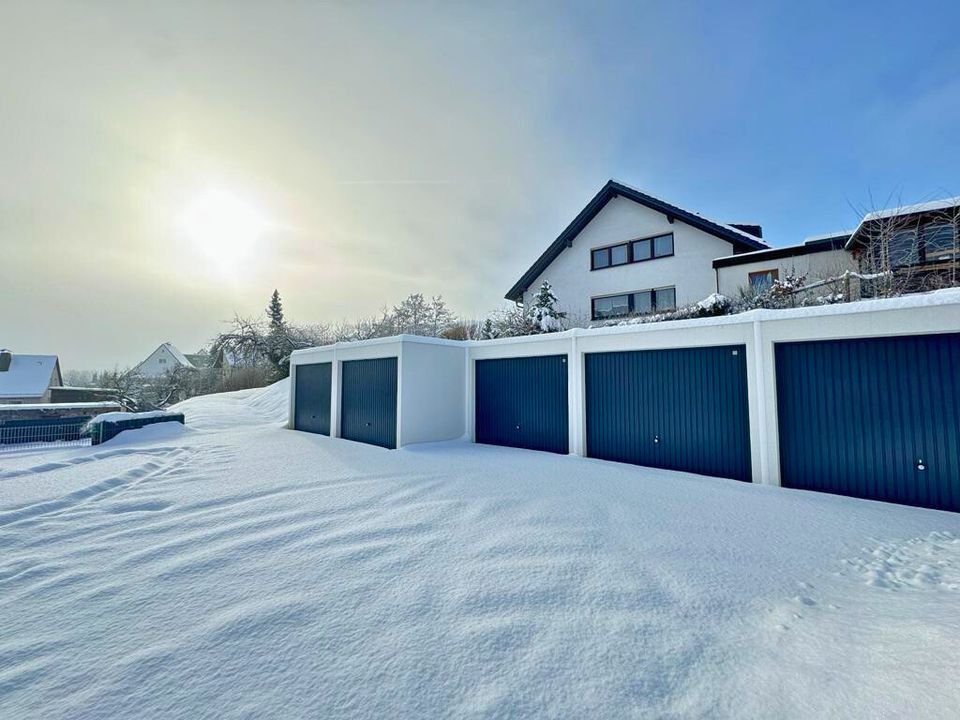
(231, 568)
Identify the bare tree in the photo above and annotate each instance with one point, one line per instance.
(909, 249)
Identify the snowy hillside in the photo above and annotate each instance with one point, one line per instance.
(233, 568)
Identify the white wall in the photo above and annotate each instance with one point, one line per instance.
(432, 379)
(816, 266)
(690, 269)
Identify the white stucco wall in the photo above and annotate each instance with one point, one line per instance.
(432, 379)
(816, 266)
(689, 269)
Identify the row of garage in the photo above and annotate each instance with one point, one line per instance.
(873, 417)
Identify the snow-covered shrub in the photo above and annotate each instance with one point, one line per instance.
(544, 316)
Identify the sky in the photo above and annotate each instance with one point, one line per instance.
(164, 166)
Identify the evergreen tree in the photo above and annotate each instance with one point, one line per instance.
(275, 313)
(544, 315)
(278, 340)
(488, 332)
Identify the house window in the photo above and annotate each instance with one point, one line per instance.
(632, 252)
(665, 299)
(162, 361)
(620, 254)
(612, 306)
(642, 250)
(763, 279)
(938, 242)
(642, 302)
(902, 248)
(663, 246)
(600, 259)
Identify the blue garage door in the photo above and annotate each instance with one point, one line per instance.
(312, 398)
(522, 402)
(874, 418)
(368, 401)
(683, 409)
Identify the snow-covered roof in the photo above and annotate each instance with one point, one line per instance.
(29, 375)
(903, 210)
(178, 356)
(170, 348)
(931, 206)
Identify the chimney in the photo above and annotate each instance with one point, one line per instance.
(6, 357)
(749, 228)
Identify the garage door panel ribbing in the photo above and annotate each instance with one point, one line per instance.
(679, 409)
(857, 417)
(312, 398)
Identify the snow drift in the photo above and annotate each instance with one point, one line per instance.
(245, 570)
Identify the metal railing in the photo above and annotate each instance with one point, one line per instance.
(36, 434)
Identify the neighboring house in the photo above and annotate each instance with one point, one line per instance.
(818, 258)
(919, 245)
(165, 358)
(28, 378)
(629, 253)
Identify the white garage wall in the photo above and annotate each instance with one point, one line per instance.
(437, 376)
(432, 378)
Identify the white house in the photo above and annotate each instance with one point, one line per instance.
(629, 253)
(165, 358)
(28, 378)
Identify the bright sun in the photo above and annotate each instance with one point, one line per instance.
(224, 227)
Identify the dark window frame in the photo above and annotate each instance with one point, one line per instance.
(758, 273)
(630, 303)
(923, 233)
(628, 244)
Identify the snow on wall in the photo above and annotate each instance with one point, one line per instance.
(689, 270)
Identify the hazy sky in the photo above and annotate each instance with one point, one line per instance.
(363, 151)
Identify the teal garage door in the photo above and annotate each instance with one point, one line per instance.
(368, 401)
(679, 409)
(875, 418)
(311, 402)
(522, 402)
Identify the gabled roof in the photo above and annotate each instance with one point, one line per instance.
(170, 348)
(902, 211)
(29, 375)
(742, 241)
(178, 356)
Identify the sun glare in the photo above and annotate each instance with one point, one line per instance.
(224, 227)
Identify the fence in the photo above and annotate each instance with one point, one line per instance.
(43, 433)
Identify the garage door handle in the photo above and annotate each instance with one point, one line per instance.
(656, 439)
(368, 424)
